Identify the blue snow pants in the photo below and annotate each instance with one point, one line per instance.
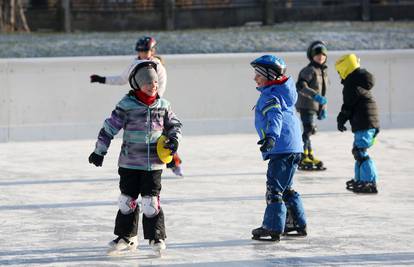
(365, 170)
(281, 169)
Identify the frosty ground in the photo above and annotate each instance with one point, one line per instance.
(58, 210)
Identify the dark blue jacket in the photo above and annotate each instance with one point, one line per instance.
(275, 116)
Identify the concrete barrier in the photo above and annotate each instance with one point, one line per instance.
(51, 98)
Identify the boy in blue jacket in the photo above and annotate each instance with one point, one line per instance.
(280, 143)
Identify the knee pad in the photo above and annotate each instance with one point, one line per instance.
(126, 204)
(150, 206)
(309, 129)
(273, 196)
(360, 154)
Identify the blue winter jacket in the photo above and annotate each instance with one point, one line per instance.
(275, 116)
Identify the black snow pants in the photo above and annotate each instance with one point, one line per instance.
(147, 183)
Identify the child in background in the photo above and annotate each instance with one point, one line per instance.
(144, 117)
(311, 86)
(280, 143)
(360, 109)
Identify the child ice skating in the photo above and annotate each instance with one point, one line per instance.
(280, 143)
(146, 50)
(144, 117)
(312, 102)
(360, 109)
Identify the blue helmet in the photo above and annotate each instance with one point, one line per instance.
(269, 66)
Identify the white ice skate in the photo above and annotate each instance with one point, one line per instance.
(121, 244)
(157, 245)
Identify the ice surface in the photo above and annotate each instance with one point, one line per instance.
(58, 210)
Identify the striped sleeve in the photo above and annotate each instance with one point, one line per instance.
(270, 104)
(272, 110)
(172, 125)
(110, 128)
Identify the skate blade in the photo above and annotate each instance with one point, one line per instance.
(295, 235)
(158, 253)
(313, 168)
(366, 193)
(350, 189)
(115, 252)
(119, 252)
(269, 239)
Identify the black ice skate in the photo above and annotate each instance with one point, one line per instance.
(350, 185)
(261, 234)
(292, 228)
(365, 188)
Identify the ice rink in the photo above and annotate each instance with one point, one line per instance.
(58, 210)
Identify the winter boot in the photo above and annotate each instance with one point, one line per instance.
(260, 233)
(123, 243)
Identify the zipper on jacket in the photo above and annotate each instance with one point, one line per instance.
(148, 137)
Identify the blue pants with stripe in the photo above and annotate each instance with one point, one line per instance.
(280, 173)
(365, 170)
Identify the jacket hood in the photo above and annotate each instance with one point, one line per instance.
(287, 91)
(347, 64)
(362, 78)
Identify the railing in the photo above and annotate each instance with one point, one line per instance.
(173, 14)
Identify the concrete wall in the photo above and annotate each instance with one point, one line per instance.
(51, 98)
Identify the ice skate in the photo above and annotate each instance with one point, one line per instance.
(121, 244)
(295, 231)
(350, 185)
(292, 228)
(261, 234)
(365, 188)
(311, 163)
(158, 245)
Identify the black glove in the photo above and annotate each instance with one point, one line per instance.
(172, 144)
(96, 159)
(341, 127)
(266, 143)
(341, 120)
(97, 79)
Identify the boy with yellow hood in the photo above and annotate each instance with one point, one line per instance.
(360, 108)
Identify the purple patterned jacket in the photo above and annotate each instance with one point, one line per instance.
(142, 126)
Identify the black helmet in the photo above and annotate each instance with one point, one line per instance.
(142, 64)
(316, 48)
(145, 43)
